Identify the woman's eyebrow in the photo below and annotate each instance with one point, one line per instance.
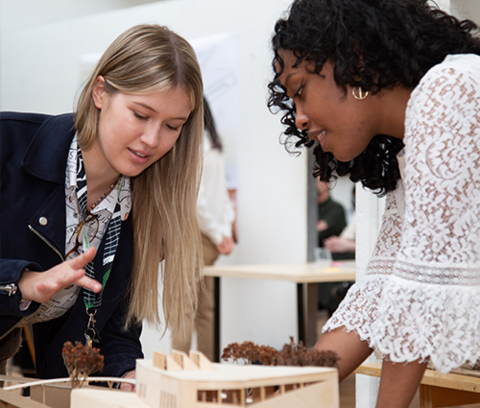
(153, 110)
(287, 78)
(145, 106)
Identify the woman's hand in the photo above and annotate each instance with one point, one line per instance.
(226, 246)
(339, 244)
(126, 386)
(322, 225)
(41, 286)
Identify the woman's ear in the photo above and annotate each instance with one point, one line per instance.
(98, 92)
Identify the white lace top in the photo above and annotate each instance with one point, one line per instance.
(421, 295)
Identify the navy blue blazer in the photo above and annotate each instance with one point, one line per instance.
(33, 154)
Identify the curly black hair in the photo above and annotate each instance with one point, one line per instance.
(374, 44)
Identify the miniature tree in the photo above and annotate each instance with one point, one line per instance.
(249, 352)
(291, 354)
(81, 361)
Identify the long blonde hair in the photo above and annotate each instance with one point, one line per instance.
(143, 60)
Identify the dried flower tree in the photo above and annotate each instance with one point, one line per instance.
(81, 361)
(291, 354)
(250, 352)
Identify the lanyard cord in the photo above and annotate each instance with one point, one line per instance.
(92, 300)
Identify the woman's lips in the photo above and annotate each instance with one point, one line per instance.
(139, 156)
(321, 138)
(318, 135)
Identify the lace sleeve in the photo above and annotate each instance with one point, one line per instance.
(390, 235)
(359, 309)
(441, 238)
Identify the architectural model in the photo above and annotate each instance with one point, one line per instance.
(181, 381)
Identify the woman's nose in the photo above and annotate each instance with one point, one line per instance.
(151, 136)
(301, 120)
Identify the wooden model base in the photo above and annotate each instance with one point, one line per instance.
(48, 396)
(53, 393)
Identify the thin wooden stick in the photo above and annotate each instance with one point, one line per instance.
(59, 380)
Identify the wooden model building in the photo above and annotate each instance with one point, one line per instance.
(180, 381)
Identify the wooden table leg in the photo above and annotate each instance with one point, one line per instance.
(425, 396)
(307, 305)
(312, 307)
(216, 336)
(301, 314)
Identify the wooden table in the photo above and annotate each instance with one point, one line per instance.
(436, 389)
(306, 276)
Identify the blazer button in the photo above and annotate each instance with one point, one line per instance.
(42, 221)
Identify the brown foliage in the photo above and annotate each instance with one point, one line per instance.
(298, 355)
(81, 361)
(250, 352)
(291, 354)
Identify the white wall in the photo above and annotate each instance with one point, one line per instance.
(466, 9)
(443, 4)
(39, 71)
(16, 14)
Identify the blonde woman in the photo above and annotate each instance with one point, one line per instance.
(91, 203)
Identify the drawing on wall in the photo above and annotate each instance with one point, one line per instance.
(218, 59)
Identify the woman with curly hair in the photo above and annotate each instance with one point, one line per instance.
(388, 92)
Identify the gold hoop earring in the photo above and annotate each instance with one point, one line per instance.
(359, 94)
